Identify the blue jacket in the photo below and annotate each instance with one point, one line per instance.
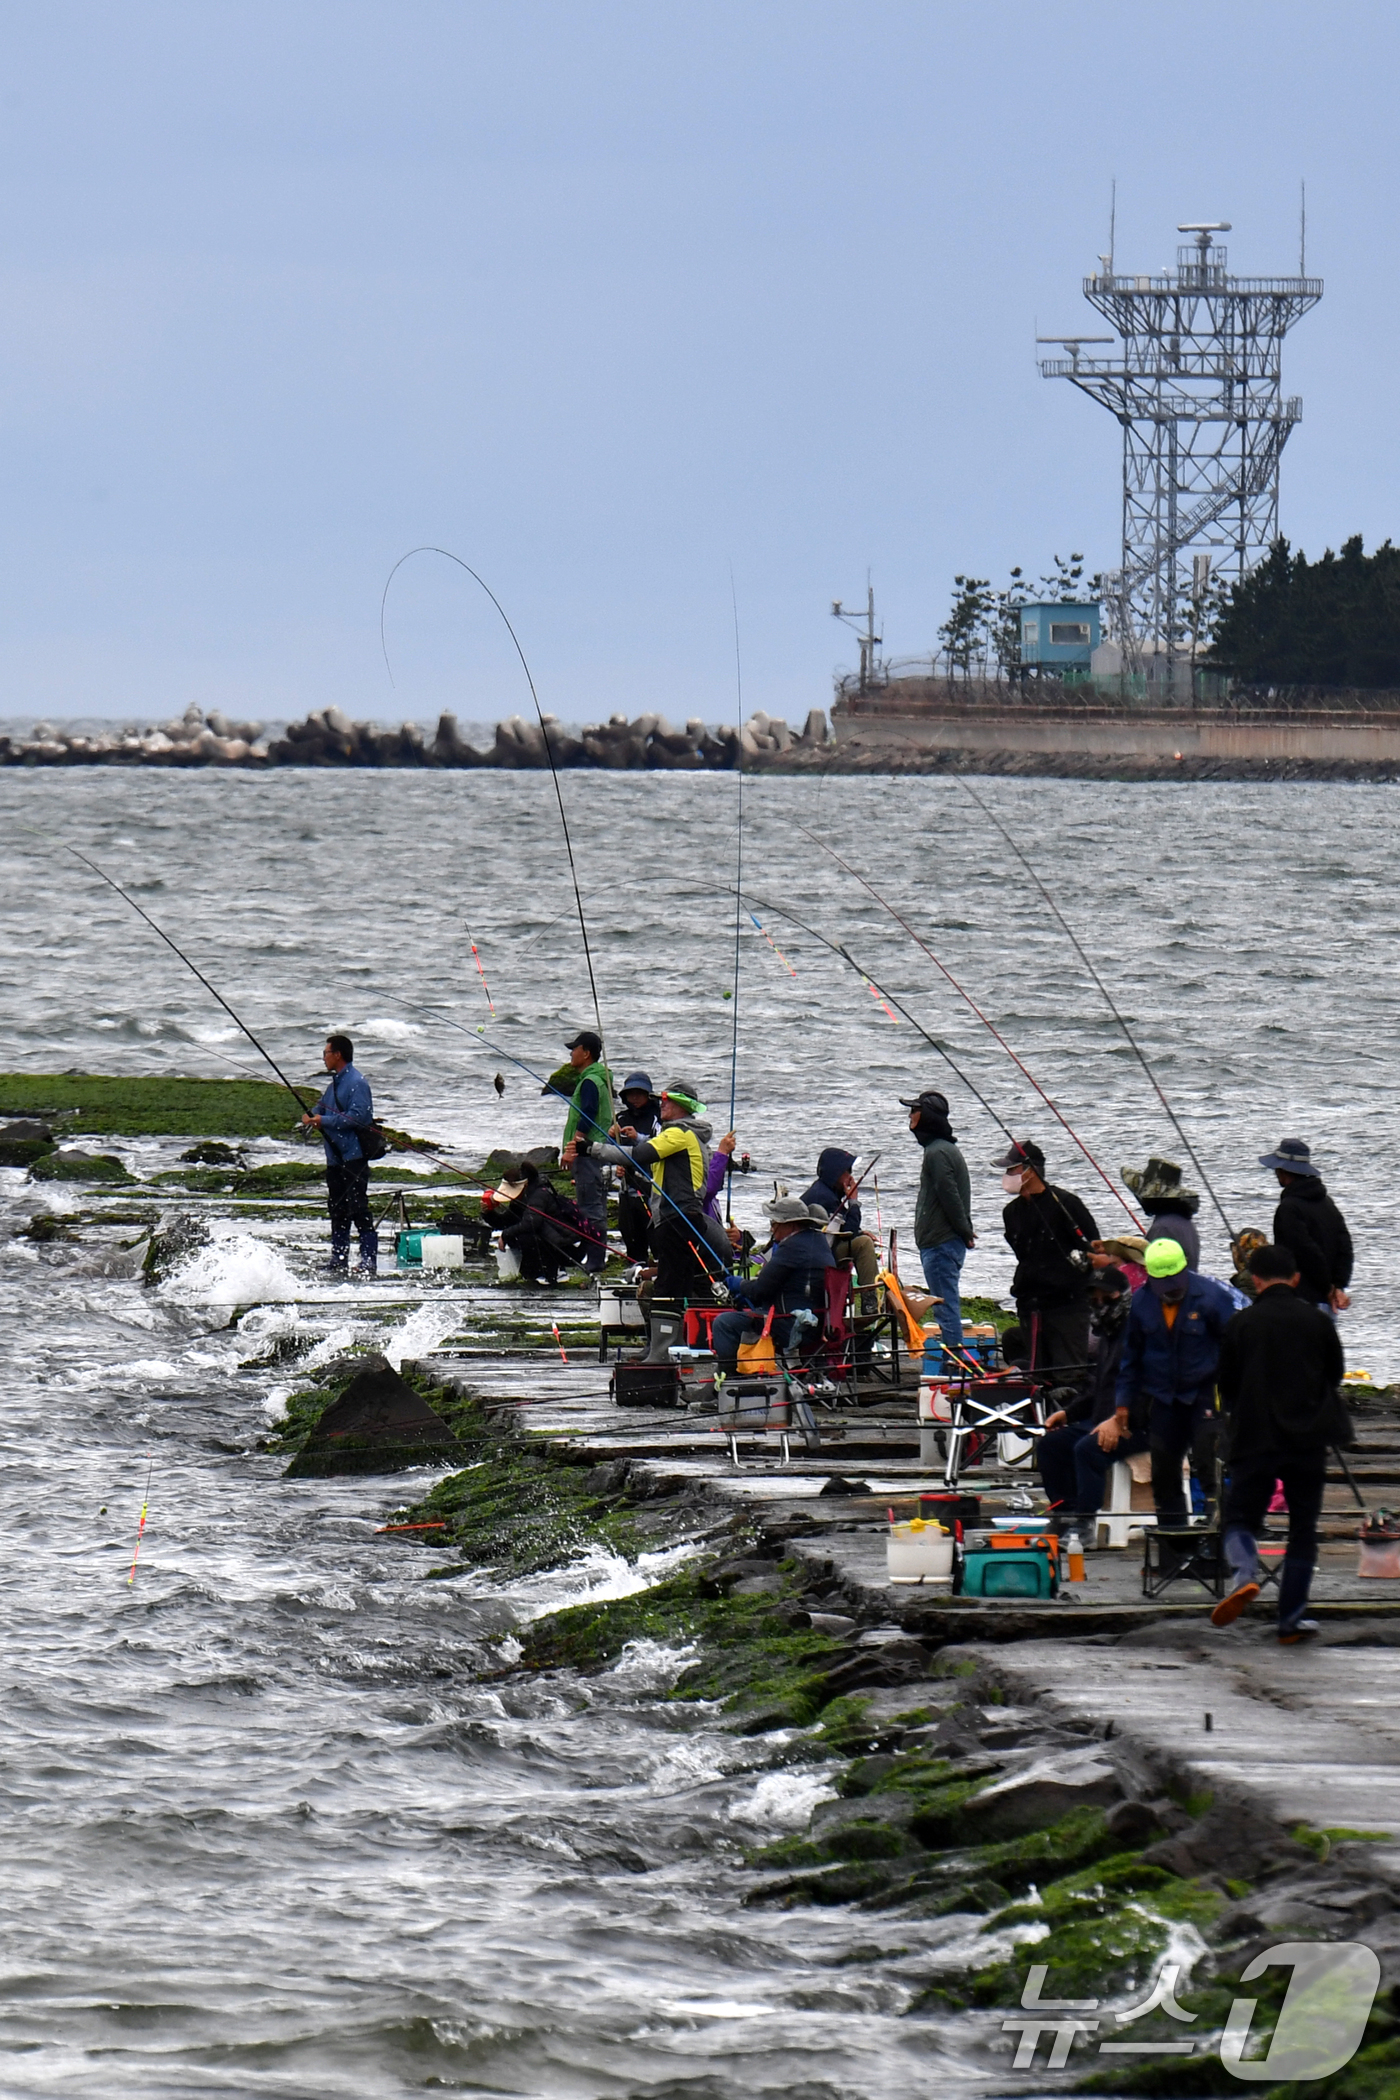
(345, 1107)
(1177, 1362)
(843, 1211)
(790, 1278)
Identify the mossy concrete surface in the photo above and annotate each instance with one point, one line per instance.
(138, 1107)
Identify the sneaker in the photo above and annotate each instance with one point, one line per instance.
(1229, 1608)
(335, 1268)
(1300, 1630)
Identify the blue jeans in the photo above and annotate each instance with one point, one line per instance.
(943, 1275)
(736, 1324)
(1074, 1467)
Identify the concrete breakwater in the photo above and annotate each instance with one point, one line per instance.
(329, 738)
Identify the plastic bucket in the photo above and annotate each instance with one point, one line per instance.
(507, 1264)
(925, 1555)
(1379, 1559)
(442, 1250)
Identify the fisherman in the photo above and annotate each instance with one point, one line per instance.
(345, 1109)
(1309, 1223)
(1092, 1433)
(943, 1229)
(1051, 1233)
(790, 1281)
(591, 1112)
(639, 1112)
(1170, 1207)
(691, 1247)
(836, 1191)
(1167, 1371)
(1280, 1365)
(538, 1223)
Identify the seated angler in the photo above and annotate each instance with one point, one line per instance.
(836, 1190)
(1092, 1433)
(792, 1280)
(538, 1224)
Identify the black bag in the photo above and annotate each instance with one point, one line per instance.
(373, 1142)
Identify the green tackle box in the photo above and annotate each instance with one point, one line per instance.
(1007, 1571)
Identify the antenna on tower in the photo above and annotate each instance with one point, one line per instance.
(1302, 229)
(1112, 222)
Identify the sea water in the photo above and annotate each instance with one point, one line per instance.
(273, 1821)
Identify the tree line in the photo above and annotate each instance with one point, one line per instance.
(983, 627)
(1335, 621)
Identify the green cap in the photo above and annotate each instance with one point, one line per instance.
(1164, 1258)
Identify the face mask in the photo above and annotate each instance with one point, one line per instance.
(1012, 1184)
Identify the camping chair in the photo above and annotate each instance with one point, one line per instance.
(990, 1407)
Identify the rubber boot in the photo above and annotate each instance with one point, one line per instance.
(339, 1263)
(1294, 1582)
(368, 1264)
(667, 1330)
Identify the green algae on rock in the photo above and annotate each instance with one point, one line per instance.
(79, 1166)
(150, 1107)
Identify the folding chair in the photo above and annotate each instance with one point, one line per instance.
(985, 1407)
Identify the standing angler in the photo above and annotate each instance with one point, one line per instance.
(1310, 1225)
(1051, 1233)
(943, 1229)
(590, 1118)
(343, 1111)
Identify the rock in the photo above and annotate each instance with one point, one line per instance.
(26, 1130)
(1041, 1794)
(174, 1243)
(209, 1152)
(1133, 1822)
(610, 1478)
(1232, 1839)
(45, 1226)
(378, 1425)
(726, 1575)
(834, 1623)
(758, 1586)
(78, 1166)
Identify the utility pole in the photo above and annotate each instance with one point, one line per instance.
(868, 639)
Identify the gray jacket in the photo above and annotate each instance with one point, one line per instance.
(944, 1208)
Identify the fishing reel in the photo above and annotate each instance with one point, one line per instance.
(1079, 1260)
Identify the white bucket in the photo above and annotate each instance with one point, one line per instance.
(934, 1404)
(507, 1264)
(443, 1250)
(925, 1555)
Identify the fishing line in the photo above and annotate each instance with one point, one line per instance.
(1107, 997)
(990, 1026)
(738, 909)
(490, 1002)
(544, 731)
(141, 1527)
(770, 940)
(264, 1053)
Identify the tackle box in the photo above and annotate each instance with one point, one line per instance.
(1008, 1571)
(645, 1385)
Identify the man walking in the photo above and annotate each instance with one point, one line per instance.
(590, 1117)
(1051, 1233)
(1280, 1366)
(343, 1111)
(1310, 1225)
(1167, 1370)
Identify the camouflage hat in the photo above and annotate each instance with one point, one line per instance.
(1159, 1180)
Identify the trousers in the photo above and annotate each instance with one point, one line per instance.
(942, 1267)
(1175, 1429)
(687, 1258)
(591, 1196)
(1058, 1338)
(1247, 1491)
(347, 1200)
(735, 1325)
(1074, 1467)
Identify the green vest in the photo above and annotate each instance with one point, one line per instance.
(576, 1123)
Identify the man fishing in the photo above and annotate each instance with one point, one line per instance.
(790, 1281)
(639, 1111)
(1051, 1233)
(1092, 1433)
(1309, 1224)
(1167, 1370)
(343, 1111)
(943, 1229)
(590, 1115)
(836, 1190)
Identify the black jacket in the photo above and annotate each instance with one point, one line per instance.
(1042, 1231)
(1099, 1400)
(1279, 1364)
(1314, 1231)
(793, 1277)
(831, 1165)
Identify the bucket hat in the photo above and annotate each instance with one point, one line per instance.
(1160, 1181)
(1292, 1155)
(638, 1083)
(787, 1210)
(819, 1217)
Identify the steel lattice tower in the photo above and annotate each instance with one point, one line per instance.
(1198, 393)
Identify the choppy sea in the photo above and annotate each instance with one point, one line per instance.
(267, 1827)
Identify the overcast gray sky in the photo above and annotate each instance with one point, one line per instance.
(607, 296)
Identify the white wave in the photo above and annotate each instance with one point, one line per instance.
(421, 1332)
(597, 1577)
(382, 1031)
(655, 1663)
(783, 1800)
(151, 1367)
(234, 1269)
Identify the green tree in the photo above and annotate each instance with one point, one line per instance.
(1332, 622)
(964, 632)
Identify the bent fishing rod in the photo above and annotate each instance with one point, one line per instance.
(1106, 996)
(738, 907)
(174, 946)
(989, 1025)
(448, 555)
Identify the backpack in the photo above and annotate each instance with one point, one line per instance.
(373, 1143)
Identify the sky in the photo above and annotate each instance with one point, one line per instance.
(610, 299)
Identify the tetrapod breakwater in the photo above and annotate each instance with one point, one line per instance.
(329, 738)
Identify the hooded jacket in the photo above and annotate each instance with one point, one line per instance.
(1175, 1225)
(1279, 1365)
(1177, 1362)
(677, 1158)
(1309, 1224)
(843, 1212)
(943, 1210)
(1042, 1232)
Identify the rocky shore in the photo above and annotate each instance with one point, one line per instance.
(330, 738)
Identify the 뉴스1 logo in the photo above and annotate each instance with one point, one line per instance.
(1320, 2024)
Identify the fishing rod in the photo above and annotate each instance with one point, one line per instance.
(738, 909)
(262, 1052)
(448, 555)
(846, 957)
(990, 1026)
(1107, 997)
